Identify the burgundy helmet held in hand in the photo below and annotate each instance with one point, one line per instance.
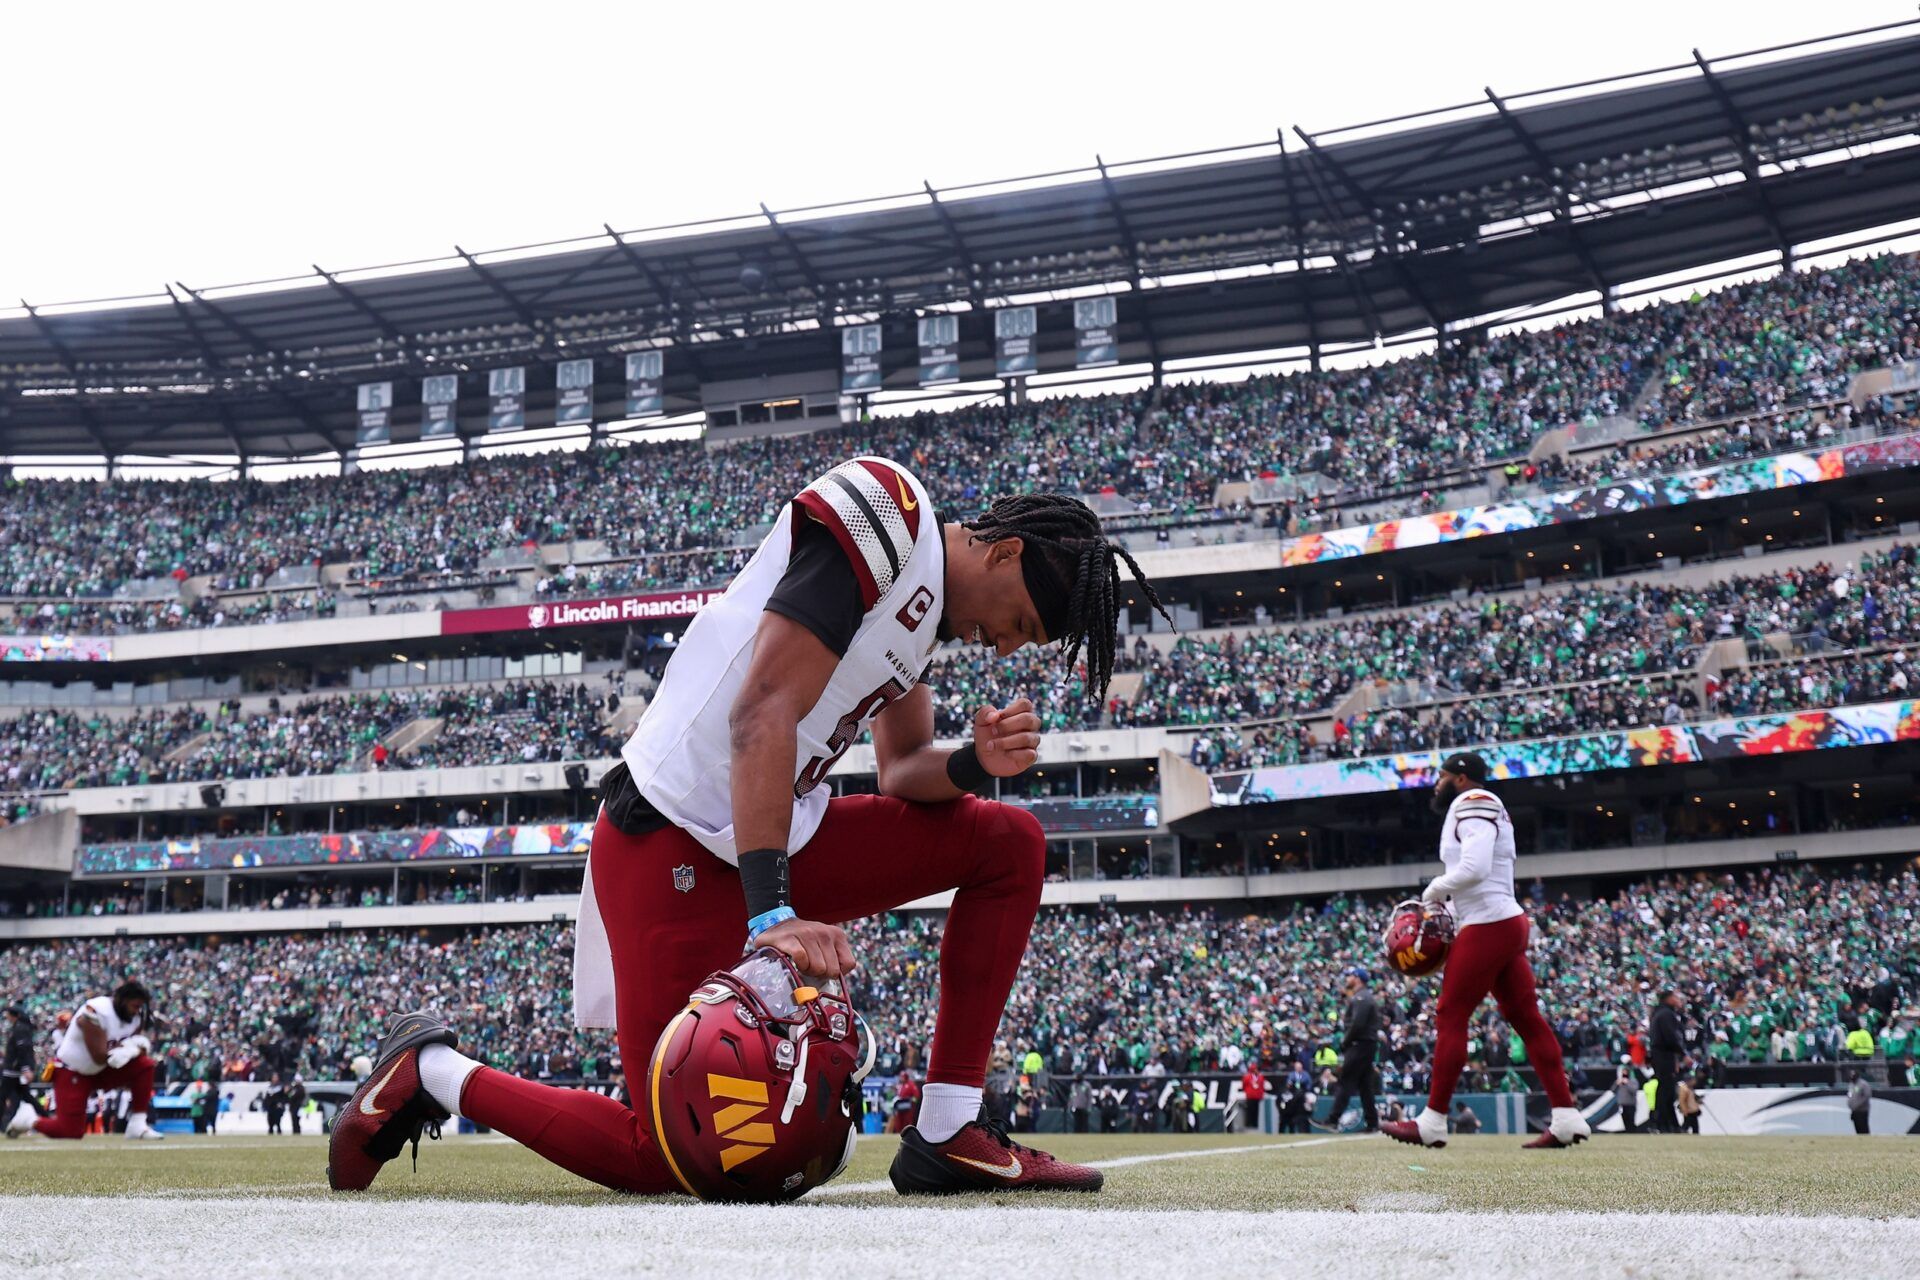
(1417, 938)
(755, 1085)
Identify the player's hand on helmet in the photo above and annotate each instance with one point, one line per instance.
(1434, 895)
(1006, 740)
(820, 950)
(126, 1051)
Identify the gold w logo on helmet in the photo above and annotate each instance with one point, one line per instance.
(736, 1122)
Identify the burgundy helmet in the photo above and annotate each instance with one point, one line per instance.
(1417, 938)
(755, 1085)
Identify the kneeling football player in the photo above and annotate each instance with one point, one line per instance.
(716, 830)
(104, 1048)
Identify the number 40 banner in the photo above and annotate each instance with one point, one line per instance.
(939, 350)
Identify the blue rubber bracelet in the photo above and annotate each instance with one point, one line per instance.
(767, 919)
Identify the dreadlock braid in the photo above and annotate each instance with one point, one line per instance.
(1068, 534)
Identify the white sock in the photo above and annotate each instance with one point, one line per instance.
(945, 1109)
(1433, 1121)
(443, 1074)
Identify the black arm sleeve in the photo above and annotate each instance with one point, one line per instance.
(819, 590)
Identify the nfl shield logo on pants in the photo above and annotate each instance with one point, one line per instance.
(683, 879)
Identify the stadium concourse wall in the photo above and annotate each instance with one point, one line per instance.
(1391, 878)
(401, 785)
(1746, 476)
(1128, 813)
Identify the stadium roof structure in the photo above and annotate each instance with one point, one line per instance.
(1427, 223)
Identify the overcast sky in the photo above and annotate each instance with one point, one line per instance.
(214, 143)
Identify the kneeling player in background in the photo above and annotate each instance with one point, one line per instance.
(1489, 954)
(828, 629)
(104, 1049)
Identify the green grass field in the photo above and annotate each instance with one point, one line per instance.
(1797, 1176)
(1207, 1205)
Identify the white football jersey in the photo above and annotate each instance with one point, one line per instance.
(681, 752)
(73, 1054)
(1492, 897)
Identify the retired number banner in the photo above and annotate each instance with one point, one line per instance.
(573, 393)
(939, 350)
(860, 358)
(508, 390)
(439, 400)
(1094, 340)
(644, 384)
(374, 400)
(1014, 342)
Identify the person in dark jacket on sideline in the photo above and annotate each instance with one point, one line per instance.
(16, 1069)
(1666, 1041)
(1359, 1041)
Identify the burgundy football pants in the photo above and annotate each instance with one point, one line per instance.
(1492, 958)
(71, 1091)
(871, 854)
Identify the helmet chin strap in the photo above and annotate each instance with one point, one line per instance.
(797, 1091)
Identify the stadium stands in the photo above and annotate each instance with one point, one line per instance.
(1777, 964)
(488, 724)
(1427, 420)
(1593, 656)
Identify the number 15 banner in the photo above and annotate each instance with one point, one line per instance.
(860, 358)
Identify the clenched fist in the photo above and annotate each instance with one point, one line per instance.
(1007, 741)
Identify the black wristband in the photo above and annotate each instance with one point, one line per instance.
(763, 877)
(964, 769)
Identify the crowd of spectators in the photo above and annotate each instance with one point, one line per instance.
(517, 722)
(1813, 682)
(1794, 337)
(1799, 952)
(1746, 438)
(1408, 423)
(964, 678)
(1624, 635)
(100, 617)
(1495, 668)
(1620, 703)
(1773, 963)
(241, 999)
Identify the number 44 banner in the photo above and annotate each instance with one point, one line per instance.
(508, 390)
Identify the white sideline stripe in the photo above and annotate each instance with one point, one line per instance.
(271, 1238)
(1119, 1162)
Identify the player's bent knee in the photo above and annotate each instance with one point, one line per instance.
(1019, 846)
